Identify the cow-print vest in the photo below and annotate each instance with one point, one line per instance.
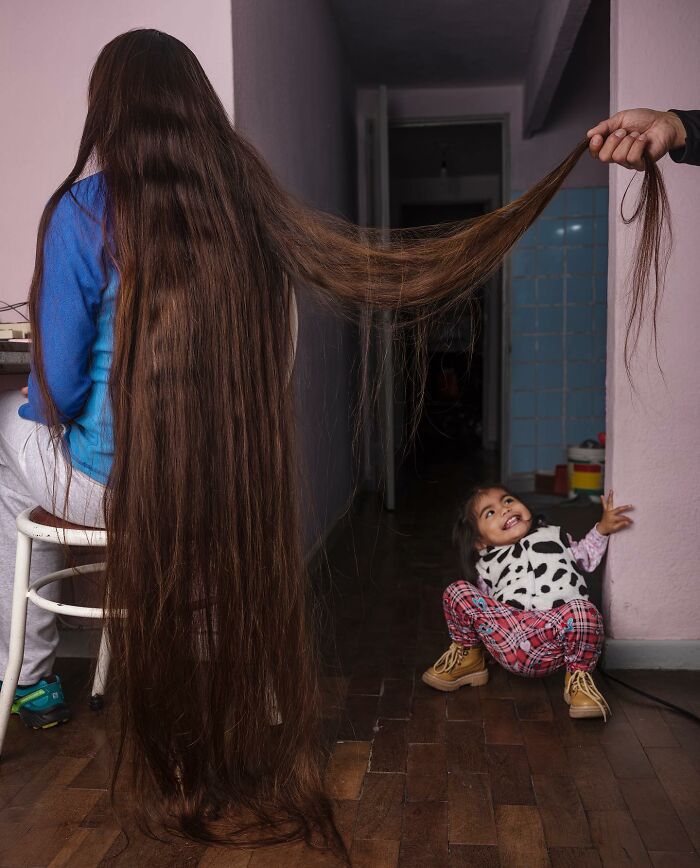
(537, 573)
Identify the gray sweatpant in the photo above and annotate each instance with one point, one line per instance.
(33, 473)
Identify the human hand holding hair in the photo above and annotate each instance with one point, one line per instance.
(624, 137)
(614, 518)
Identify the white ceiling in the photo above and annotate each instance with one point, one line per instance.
(414, 43)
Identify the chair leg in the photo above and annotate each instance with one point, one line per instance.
(101, 671)
(18, 626)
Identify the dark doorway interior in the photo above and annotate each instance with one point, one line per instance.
(451, 418)
(440, 174)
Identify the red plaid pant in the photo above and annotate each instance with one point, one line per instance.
(527, 643)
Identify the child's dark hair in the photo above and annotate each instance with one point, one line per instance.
(465, 534)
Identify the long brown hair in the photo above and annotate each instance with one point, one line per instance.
(214, 661)
(652, 254)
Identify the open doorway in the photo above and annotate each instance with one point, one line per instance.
(438, 173)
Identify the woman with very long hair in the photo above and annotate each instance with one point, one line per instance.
(159, 407)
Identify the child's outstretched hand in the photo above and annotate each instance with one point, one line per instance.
(614, 518)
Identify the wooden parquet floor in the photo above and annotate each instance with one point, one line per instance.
(494, 776)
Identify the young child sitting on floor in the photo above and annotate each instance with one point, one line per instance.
(525, 598)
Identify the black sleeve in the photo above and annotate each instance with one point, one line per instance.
(691, 152)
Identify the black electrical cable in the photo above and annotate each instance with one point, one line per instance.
(677, 708)
(14, 307)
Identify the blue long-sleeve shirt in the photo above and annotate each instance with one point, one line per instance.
(76, 316)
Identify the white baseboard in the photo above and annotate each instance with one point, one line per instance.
(652, 654)
(619, 653)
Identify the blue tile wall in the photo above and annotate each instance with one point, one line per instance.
(558, 322)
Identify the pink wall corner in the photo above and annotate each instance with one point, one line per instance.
(293, 97)
(294, 101)
(652, 590)
(46, 53)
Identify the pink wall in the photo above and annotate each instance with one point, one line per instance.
(652, 584)
(46, 53)
(294, 102)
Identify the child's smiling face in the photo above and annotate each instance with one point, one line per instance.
(501, 518)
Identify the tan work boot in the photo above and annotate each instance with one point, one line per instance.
(457, 666)
(583, 697)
